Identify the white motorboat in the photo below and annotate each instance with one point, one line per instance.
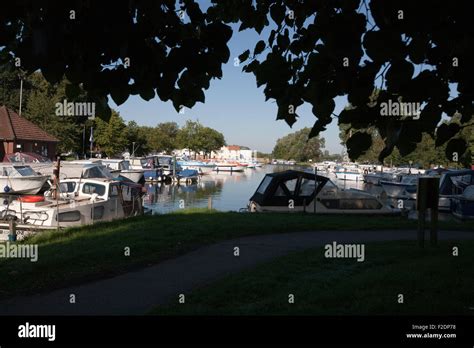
(79, 202)
(463, 205)
(452, 185)
(119, 167)
(349, 175)
(297, 191)
(20, 179)
(203, 168)
(376, 177)
(406, 187)
(228, 167)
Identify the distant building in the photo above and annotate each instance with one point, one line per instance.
(236, 153)
(17, 134)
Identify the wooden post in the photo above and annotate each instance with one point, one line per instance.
(209, 203)
(12, 228)
(427, 198)
(56, 177)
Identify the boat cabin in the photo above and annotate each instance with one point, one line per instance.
(304, 191)
(276, 189)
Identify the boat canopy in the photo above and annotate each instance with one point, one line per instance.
(25, 157)
(455, 182)
(276, 189)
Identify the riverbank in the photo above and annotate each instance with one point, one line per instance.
(79, 255)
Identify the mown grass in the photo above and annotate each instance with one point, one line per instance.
(81, 254)
(432, 282)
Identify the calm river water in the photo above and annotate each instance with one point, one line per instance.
(229, 192)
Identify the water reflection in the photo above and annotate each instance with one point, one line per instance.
(228, 191)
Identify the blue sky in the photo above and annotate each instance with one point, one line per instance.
(234, 106)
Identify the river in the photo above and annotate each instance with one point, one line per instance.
(228, 191)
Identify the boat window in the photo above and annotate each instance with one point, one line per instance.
(165, 161)
(330, 184)
(280, 192)
(69, 216)
(113, 191)
(25, 170)
(98, 212)
(306, 187)
(90, 188)
(263, 186)
(125, 165)
(94, 172)
(67, 186)
(291, 185)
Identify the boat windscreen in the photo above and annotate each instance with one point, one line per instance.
(264, 184)
(25, 170)
(125, 165)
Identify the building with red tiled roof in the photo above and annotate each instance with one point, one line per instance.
(17, 134)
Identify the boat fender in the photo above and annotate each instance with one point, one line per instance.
(31, 199)
(6, 189)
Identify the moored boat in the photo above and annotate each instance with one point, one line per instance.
(463, 205)
(291, 190)
(119, 167)
(228, 167)
(77, 202)
(20, 179)
(202, 167)
(406, 187)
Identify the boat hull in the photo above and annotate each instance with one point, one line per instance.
(396, 189)
(348, 176)
(134, 175)
(30, 185)
(230, 169)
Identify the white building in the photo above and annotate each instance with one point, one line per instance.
(235, 153)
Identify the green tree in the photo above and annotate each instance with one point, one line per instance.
(212, 140)
(297, 146)
(111, 136)
(40, 109)
(190, 136)
(167, 134)
(136, 140)
(324, 49)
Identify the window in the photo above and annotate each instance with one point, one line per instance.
(90, 188)
(263, 186)
(280, 192)
(306, 187)
(94, 172)
(125, 165)
(291, 185)
(69, 216)
(98, 212)
(113, 191)
(25, 170)
(67, 187)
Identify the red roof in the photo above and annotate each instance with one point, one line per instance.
(15, 127)
(233, 147)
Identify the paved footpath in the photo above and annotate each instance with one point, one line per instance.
(137, 292)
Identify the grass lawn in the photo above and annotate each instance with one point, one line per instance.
(92, 252)
(431, 280)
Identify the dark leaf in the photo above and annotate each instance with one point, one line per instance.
(358, 144)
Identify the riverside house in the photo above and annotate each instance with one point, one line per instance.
(18, 134)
